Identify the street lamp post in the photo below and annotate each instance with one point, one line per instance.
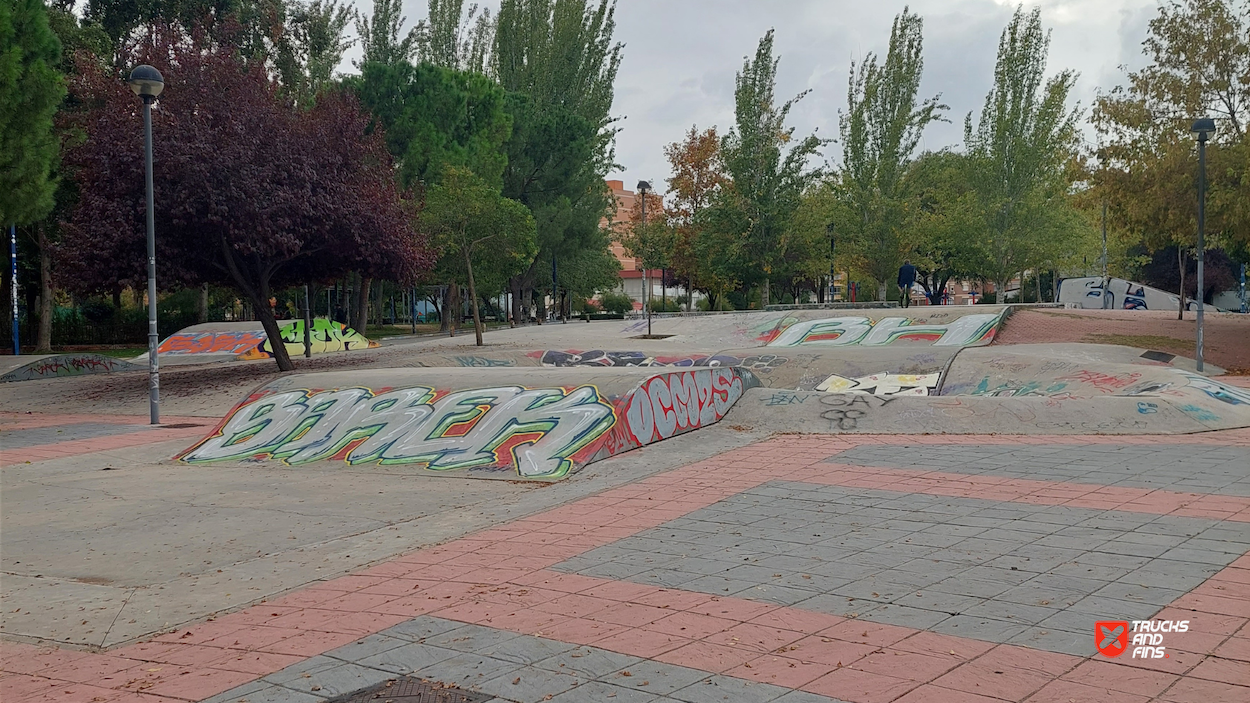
(1203, 128)
(643, 188)
(17, 344)
(829, 231)
(147, 83)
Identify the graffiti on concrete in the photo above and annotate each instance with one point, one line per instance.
(66, 365)
(326, 336)
(785, 398)
(540, 432)
(1200, 414)
(1012, 389)
(882, 384)
(224, 342)
(968, 330)
(481, 362)
(1102, 382)
(762, 363)
(670, 404)
(1219, 391)
(1145, 408)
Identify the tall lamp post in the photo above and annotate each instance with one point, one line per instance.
(17, 344)
(643, 188)
(147, 84)
(1204, 128)
(829, 231)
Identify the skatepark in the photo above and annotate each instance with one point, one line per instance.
(330, 506)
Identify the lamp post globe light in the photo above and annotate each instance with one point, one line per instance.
(147, 83)
(644, 187)
(1204, 128)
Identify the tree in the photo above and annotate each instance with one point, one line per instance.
(766, 185)
(313, 46)
(1018, 153)
(30, 92)
(651, 242)
(698, 174)
(469, 219)
(1199, 64)
(379, 35)
(881, 128)
(941, 221)
(250, 190)
(454, 39)
(558, 62)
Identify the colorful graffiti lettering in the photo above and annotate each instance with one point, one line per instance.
(762, 363)
(1197, 413)
(1219, 391)
(1103, 383)
(1017, 389)
(968, 330)
(66, 365)
(882, 384)
(326, 336)
(536, 430)
(671, 404)
(212, 342)
(1147, 408)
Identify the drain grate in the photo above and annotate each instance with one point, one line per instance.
(1158, 356)
(407, 689)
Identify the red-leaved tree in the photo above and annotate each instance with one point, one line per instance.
(250, 190)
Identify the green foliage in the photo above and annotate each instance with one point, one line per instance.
(312, 46)
(588, 270)
(616, 302)
(1018, 153)
(30, 91)
(471, 223)
(453, 39)
(379, 35)
(751, 214)
(437, 119)
(880, 131)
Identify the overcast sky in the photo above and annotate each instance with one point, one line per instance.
(681, 56)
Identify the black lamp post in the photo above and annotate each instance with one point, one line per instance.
(1204, 128)
(147, 84)
(643, 188)
(829, 231)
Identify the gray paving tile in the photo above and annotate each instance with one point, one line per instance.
(466, 669)
(373, 644)
(265, 693)
(422, 627)
(470, 638)
(528, 685)
(528, 650)
(303, 669)
(725, 689)
(587, 662)
(596, 691)
(408, 659)
(339, 680)
(654, 677)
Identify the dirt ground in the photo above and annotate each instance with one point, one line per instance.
(1226, 335)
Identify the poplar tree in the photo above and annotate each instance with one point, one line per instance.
(880, 131)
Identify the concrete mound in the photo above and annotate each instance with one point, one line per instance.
(33, 368)
(228, 341)
(494, 423)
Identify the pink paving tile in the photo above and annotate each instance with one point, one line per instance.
(1010, 673)
(705, 656)
(1223, 671)
(1191, 690)
(526, 621)
(581, 631)
(760, 639)
(921, 668)
(673, 599)
(355, 602)
(641, 643)
(935, 643)
(833, 652)
(863, 632)
(20, 687)
(630, 614)
(1069, 692)
(257, 663)
(797, 620)
(395, 587)
(733, 609)
(619, 591)
(929, 693)
(190, 655)
(200, 684)
(780, 671)
(575, 605)
(1234, 648)
(1204, 603)
(691, 625)
(252, 638)
(1126, 679)
(84, 693)
(32, 660)
(860, 686)
(307, 644)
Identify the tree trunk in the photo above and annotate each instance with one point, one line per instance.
(362, 304)
(764, 295)
(477, 317)
(45, 294)
(265, 313)
(201, 311)
(451, 309)
(1037, 275)
(514, 288)
(1180, 258)
(883, 291)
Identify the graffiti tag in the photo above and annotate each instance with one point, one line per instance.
(536, 430)
(843, 331)
(212, 342)
(881, 384)
(785, 398)
(1219, 391)
(674, 403)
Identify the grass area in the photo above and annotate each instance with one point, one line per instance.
(380, 331)
(1144, 341)
(116, 352)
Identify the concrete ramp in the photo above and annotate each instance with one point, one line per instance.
(493, 423)
(33, 368)
(228, 341)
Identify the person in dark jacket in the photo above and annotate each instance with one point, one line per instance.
(906, 279)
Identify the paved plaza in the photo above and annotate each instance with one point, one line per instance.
(797, 569)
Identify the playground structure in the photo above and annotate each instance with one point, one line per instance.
(541, 414)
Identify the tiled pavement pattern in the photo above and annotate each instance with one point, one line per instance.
(504, 664)
(502, 581)
(1203, 469)
(1028, 574)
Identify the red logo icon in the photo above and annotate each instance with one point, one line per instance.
(1111, 637)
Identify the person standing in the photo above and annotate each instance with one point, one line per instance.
(906, 279)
